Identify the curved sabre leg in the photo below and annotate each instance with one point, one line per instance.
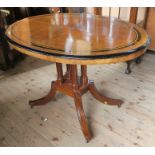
(45, 99)
(82, 117)
(102, 98)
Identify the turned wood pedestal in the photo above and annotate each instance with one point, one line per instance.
(73, 85)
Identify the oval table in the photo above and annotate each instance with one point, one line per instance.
(77, 39)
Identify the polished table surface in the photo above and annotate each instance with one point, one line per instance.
(79, 37)
(74, 39)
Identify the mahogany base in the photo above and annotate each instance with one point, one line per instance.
(74, 86)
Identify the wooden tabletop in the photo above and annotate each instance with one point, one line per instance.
(77, 38)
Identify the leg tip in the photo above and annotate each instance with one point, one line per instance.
(138, 60)
(31, 105)
(88, 139)
(127, 71)
(120, 104)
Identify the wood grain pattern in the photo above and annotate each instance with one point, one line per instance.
(77, 36)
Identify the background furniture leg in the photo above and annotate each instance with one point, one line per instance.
(128, 69)
(138, 60)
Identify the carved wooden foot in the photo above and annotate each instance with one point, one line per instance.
(103, 98)
(46, 99)
(82, 117)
